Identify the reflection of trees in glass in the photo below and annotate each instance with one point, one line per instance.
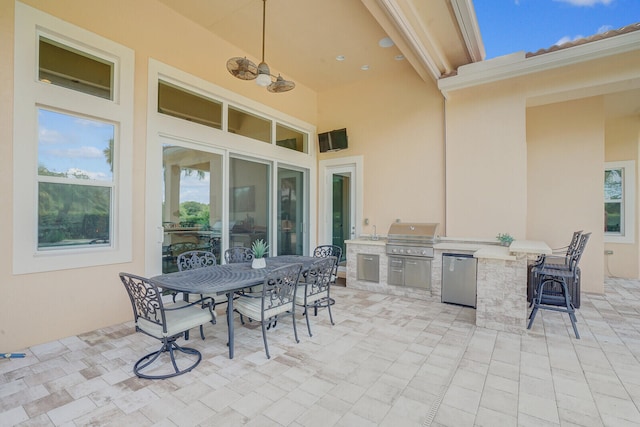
(194, 213)
(613, 195)
(199, 173)
(613, 184)
(72, 212)
(108, 154)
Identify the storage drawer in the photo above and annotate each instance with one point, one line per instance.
(396, 271)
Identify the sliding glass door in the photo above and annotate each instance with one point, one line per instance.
(204, 209)
(290, 212)
(192, 203)
(249, 195)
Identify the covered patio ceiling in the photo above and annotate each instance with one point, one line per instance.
(304, 37)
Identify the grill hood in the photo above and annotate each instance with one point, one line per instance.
(412, 232)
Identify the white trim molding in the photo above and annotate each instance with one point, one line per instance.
(516, 64)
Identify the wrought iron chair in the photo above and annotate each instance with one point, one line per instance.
(165, 323)
(315, 289)
(172, 253)
(324, 251)
(276, 299)
(238, 254)
(241, 254)
(560, 258)
(195, 259)
(190, 261)
(552, 290)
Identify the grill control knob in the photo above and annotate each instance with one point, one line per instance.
(408, 251)
(424, 252)
(394, 250)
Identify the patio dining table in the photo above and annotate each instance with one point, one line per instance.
(226, 279)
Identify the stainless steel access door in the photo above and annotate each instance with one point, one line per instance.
(417, 273)
(407, 271)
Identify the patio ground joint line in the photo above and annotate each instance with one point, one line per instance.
(431, 415)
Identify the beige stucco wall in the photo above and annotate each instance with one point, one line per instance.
(622, 138)
(486, 154)
(10, 288)
(37, 308)
(565, 146)
(396, 124)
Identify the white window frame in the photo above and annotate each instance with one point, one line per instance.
(627, 234)
(30, 95)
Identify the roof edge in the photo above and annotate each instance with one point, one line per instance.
(468, 24)
(516, 64)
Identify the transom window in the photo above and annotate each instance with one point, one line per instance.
(185, 104)
(72, 69)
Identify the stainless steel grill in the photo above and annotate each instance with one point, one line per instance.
(410, 251)
(412, 239)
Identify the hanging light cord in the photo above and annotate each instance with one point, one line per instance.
(264, 13)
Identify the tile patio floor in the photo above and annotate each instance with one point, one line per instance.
(388, 361)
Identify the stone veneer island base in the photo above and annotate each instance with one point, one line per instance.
(501, 302)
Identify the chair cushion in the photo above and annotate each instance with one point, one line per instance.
(178, 321)
(252, 307)
(310, 298)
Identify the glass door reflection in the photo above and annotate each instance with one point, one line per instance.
(290, 212)
(248, 202)
(192, 203)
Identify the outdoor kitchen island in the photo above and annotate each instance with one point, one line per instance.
(501, 302)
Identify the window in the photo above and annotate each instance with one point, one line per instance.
(249, 125)
(70, 68)
(72, 147)
(619, 190)
(75, 180)
(291, 139)
(183, 104)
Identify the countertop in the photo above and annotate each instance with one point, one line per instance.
(480, 248)
(382, 241)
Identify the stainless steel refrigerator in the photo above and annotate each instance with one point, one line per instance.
(459, 273)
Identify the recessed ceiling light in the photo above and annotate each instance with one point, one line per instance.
(385, 42)
(340, 58)
(398, 57)
(364, 67)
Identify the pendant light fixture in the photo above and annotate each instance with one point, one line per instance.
(245, 69)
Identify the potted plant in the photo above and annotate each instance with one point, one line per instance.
(259, 248)
(505, 239)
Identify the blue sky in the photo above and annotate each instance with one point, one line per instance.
(509, 26)
(73, 144)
